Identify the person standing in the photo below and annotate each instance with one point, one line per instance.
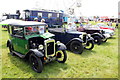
(116, 26)
(71, 27)
(46, 26)
(36, 19)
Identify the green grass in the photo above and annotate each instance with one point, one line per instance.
(101, 62)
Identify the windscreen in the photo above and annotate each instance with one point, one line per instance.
(32, 30)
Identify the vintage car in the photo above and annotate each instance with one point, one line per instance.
(74, 40)
(109, 33)
(104, 26)
(29, 39)
(106, 32)
(95, 32)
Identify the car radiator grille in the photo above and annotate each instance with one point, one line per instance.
(50, 47)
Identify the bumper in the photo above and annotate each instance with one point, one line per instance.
(112, 34)
(109, 35)
(50, 59)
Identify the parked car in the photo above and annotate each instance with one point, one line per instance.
(74, 40)
(103, 26)
(28, 39)
(107, 32)
(98, 34)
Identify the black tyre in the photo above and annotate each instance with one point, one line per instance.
(76, 47)
(97, 40)
(104, 40)
(11, 49)
(89, 45)
(61, 56)
(36, 63)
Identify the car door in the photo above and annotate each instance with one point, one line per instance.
(20, 43)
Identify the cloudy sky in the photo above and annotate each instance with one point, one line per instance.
(89, 7)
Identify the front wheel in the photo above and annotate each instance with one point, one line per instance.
(76, 47)
(36, 63)
(61, 56)
(97, 40)
(89, 45)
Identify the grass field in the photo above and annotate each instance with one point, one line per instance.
(101, 62)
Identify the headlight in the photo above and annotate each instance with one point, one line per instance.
(81, 36)
(58, 42)
(41, 47)
(89, 35)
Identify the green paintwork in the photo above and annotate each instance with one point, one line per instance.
(45, 35)
(19, 45)
(3, 24)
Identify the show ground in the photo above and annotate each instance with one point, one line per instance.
(101, 62)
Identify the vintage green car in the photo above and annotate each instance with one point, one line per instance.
(29, 39)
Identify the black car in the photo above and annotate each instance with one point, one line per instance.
(74, 40)
(98, 34)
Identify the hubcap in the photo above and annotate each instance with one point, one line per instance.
(75, 47)
(96, 40)
(34, 63)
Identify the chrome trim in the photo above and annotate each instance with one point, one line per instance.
(81, 36)
(46, 42)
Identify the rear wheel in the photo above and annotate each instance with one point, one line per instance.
(36, 63)
(97, 40)
(61, 56)
(89, 45)
(11, 49)
(76, 47)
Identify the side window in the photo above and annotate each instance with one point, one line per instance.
(9, 29)
(18, 31)
(39, 14)
(49, 15)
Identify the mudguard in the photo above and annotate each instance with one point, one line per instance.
(90, 39)
(97, 34)
(37, 53)
(61, 46)
(75, 39)
(9, 42)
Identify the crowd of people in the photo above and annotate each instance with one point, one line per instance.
(71, 26)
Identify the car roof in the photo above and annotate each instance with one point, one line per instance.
(16, 22)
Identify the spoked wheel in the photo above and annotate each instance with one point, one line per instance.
(89, 45)
(36, 63)
(76, 47)
(61, 56)
(11, 49)
(97, 40)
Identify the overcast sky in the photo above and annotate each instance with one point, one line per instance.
(89, 7)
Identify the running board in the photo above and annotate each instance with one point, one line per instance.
(18, 54)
